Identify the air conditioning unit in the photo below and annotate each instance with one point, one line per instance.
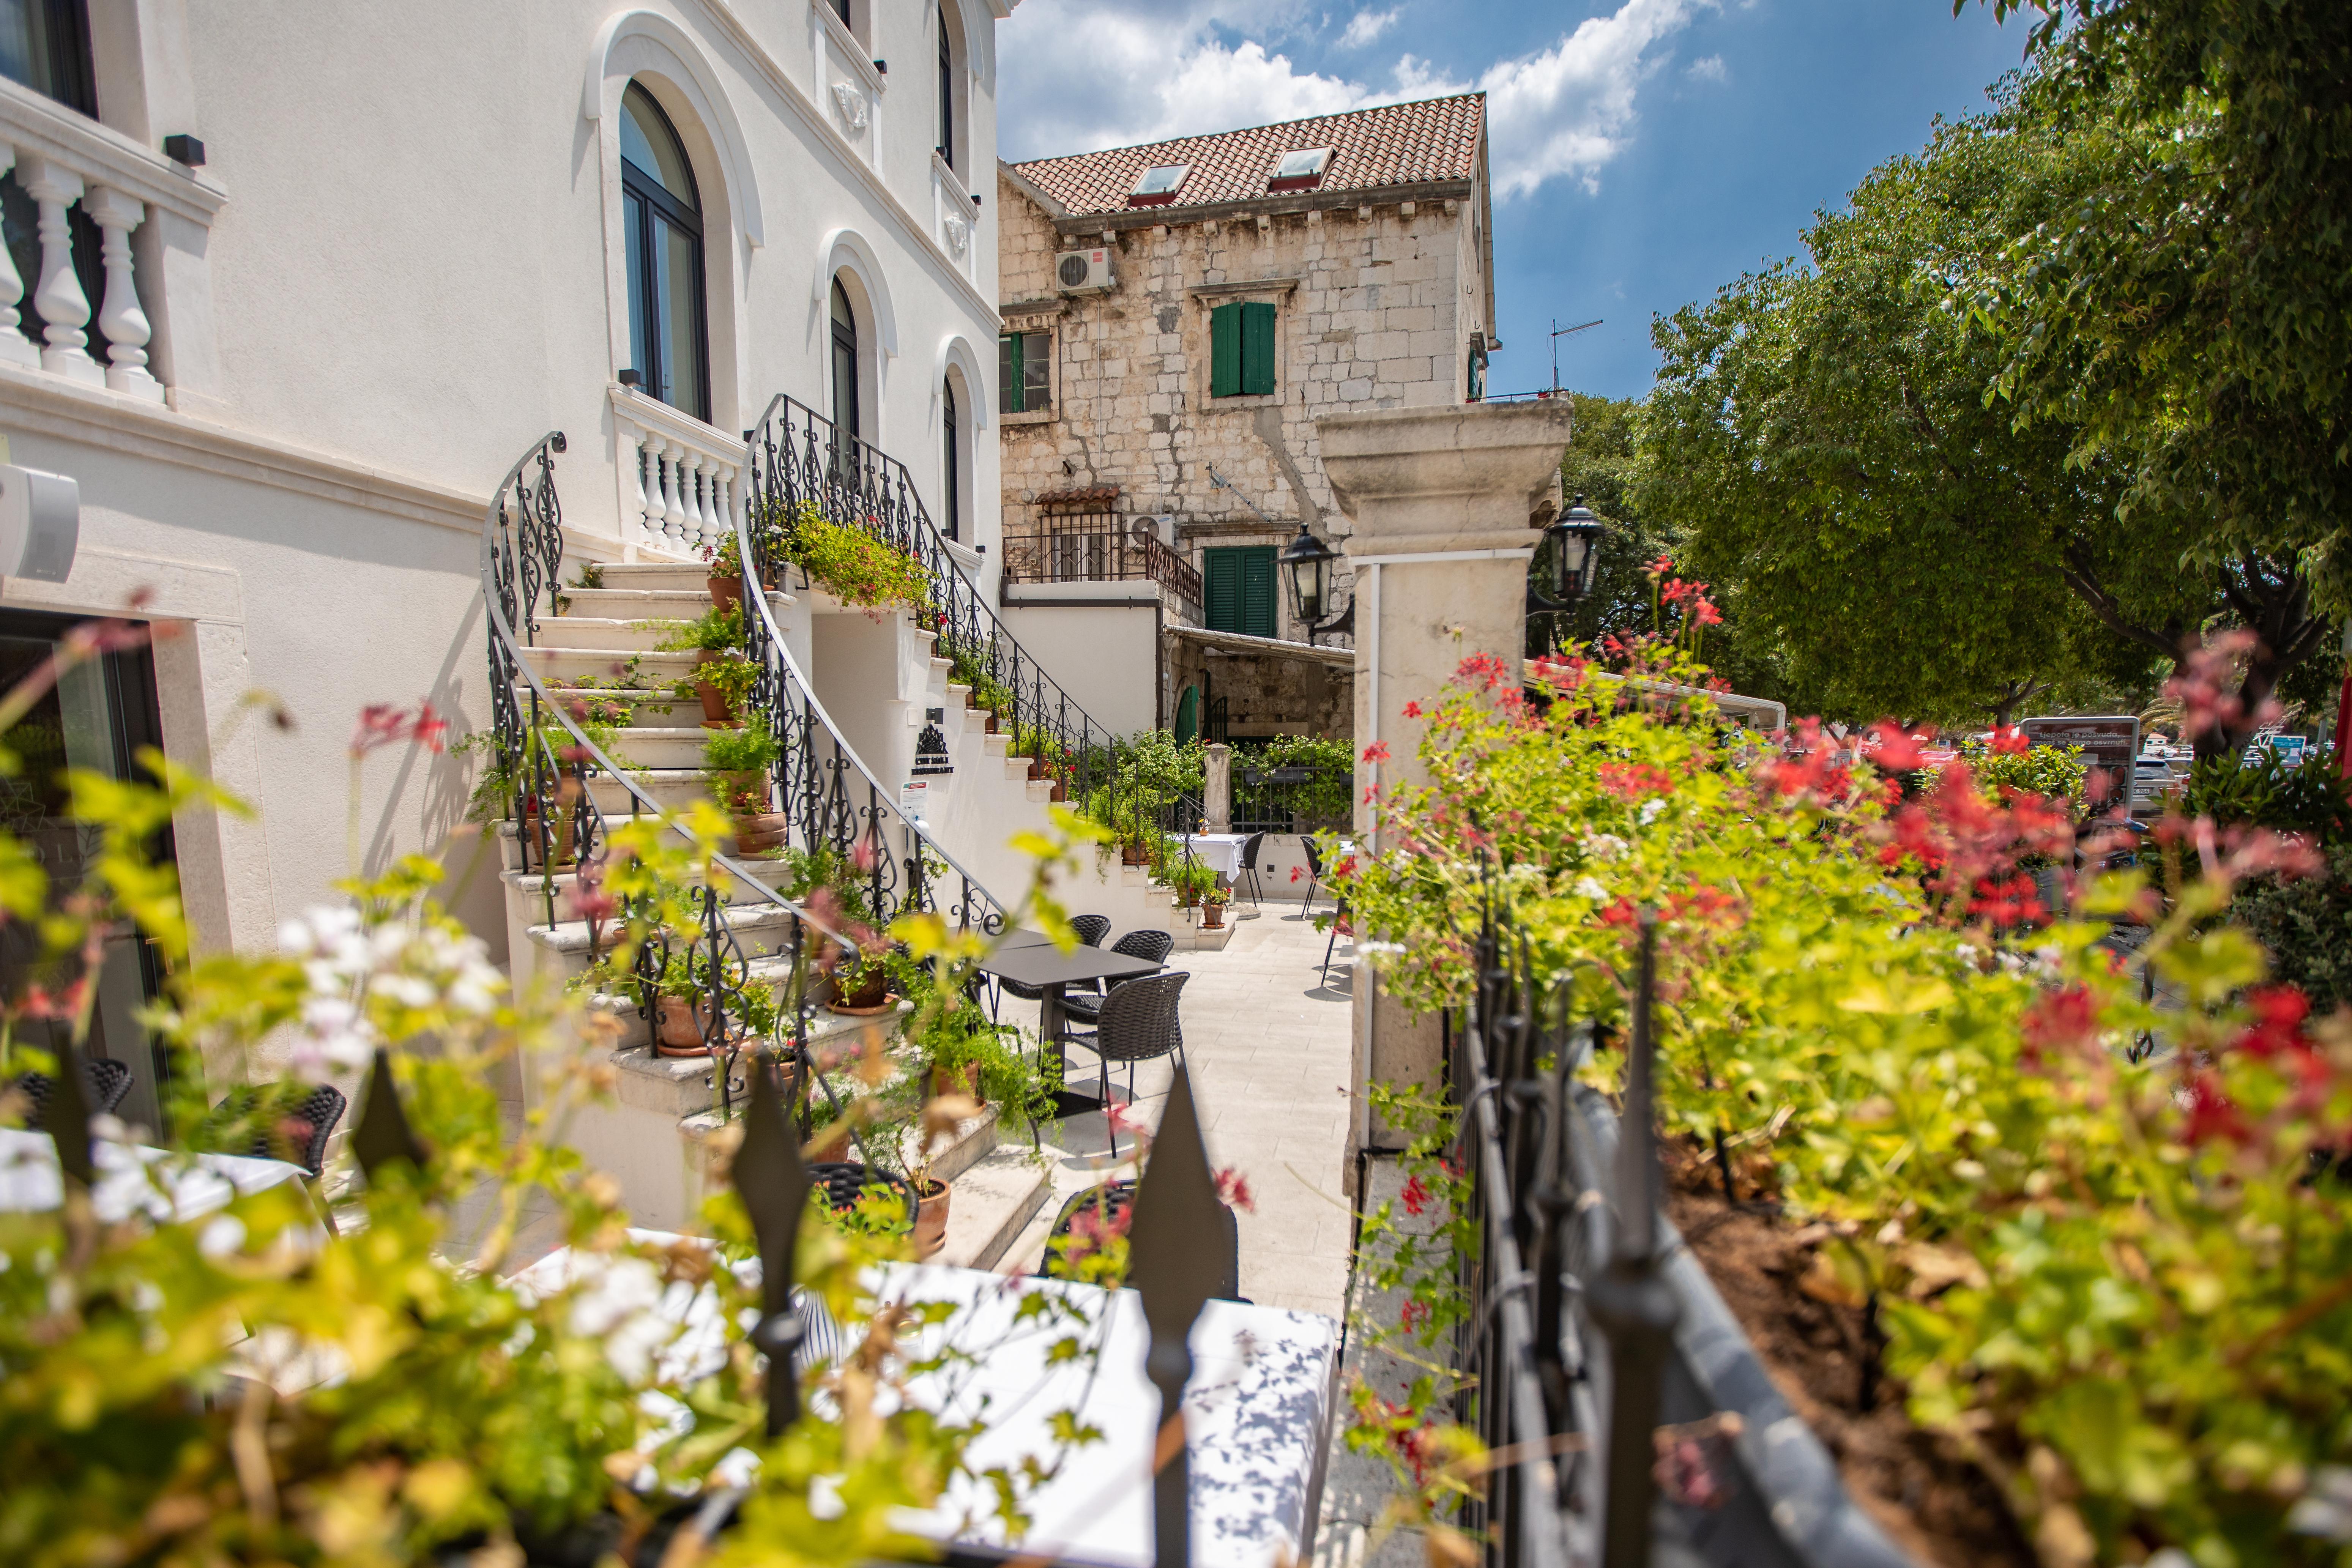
(1162, 529)
(1083, 271)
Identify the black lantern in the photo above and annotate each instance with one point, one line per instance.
(1307, 562)
(1575, 537)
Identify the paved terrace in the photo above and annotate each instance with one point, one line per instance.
(1266, 1037)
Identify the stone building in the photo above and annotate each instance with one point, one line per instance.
(1176, 318)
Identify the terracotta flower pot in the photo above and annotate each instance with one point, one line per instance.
(931, 1216)
(972, 700)
(1061, 791)
(677, 1026)
(726, 593)
(946, 1082)
(1037, 767)
(888, 1002)
(715, 710)
(765, 830)
(1134, 854)
(992, 722)
(1212, 917)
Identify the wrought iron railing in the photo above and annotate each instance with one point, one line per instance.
(549, 763)
(1297, 798)
(1099, 547)
(1576, 1355)
(799, 457)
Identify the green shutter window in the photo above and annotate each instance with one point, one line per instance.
(1257, 348)
(1238, 584)
(1225, 350)
(1187, 714)
(1024, 372)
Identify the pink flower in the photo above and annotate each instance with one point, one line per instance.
(2011, 742)
(1233, 1191)
(1378, 751)
(1416, 1196)
(1412, 709)
(381, 725)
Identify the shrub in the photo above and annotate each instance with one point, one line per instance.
(2266, 792)
(718, 630)
(2305, 926)
(2054, 772)
(853, 565)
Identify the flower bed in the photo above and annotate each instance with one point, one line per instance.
(2103, 1243)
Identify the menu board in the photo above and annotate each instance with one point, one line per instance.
(2110, 743)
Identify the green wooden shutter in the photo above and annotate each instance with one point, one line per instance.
(1220, 581)
(1187, 714)
(1225, 350)
(1257, 348)
(1258, 588)
(1008, 372)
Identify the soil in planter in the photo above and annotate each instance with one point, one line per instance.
(1933, 1505)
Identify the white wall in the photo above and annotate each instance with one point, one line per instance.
(1106, 657)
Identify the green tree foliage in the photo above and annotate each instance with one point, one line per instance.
(1820, 439)
(2188, 318)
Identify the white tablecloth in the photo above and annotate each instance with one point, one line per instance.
(132, 1178)
(1257, 1410)
(1222, 851)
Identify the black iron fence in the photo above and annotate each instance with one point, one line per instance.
(1596, 1356)
(1290, 797)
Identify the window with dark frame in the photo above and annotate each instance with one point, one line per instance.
(1024, 372)
(841, 9)
(952, 468)
(846, 426)
(44, 45)
(1241, 348)
(946, 94)
(1238, 590)
(100, 715)
(662, 232)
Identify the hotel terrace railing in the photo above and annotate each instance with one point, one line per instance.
(92, 188)
(1099, 547)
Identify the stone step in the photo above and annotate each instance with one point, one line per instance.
(665, 747)
(991, 1204)
(645, 705)
(684, 1087)
(762, 928)
(670, 789)
(772, 970)
(637, 634)
(598, 665)
(683, 576)
(679, 602)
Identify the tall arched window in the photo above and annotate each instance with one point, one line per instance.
(662, 229)
(952, 490)
(947, 93)
(844, 366)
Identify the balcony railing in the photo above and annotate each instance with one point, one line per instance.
(63, 160)
(1093, 547)
(681, 481)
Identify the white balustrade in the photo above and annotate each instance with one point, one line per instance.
(63, 160)
(680, 477)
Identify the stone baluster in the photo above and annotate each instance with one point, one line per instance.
(728, 479)
(14, 346)
(656, 507)
(673, 504)
(119, 317)
(63, 307)
(639, 442)
(698, 510)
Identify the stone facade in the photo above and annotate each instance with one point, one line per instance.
(1379, 301)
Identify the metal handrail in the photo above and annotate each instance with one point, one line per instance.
(798, 454)
(520, 556)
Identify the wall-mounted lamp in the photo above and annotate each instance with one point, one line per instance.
(184, 149)
(40, 523)
(631, 378)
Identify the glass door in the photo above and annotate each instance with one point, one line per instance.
(96, 717)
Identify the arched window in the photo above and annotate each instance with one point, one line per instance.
(947, 92)
(662, 230)
(844, 366)
(951, 489)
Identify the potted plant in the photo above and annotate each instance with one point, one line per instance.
(726, 580)
(736, 762)
(1213, 909)
(992, 694)
(1193, 882)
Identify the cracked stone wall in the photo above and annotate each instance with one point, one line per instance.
(1375, 308)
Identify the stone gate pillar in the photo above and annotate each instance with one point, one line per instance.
(1217, 787)
(1440, 500)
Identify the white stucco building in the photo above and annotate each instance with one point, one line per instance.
(295, 284)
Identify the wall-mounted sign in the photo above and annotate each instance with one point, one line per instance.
(2110, 745)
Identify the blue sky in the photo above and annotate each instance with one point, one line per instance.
(1645, 151)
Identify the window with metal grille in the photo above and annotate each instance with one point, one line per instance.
(1241, 348)
(1238, 585)
(1024, 373)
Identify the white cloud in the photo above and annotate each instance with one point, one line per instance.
(1079, 76)
(1708, 68)
(1366, 26)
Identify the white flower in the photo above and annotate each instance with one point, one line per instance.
(222, 1236)
(1651, 812)
(614, 1303)
(1590, 887)
(1604, 846)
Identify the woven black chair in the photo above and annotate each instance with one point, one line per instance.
(319, 1110)
(1085, 1007)
(104, 1082)
(1091, 930)
(1138, 1023)
(1109, 1201)
(844, 1183)
(1249, 867)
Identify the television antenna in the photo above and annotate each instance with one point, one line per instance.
(1557, 332)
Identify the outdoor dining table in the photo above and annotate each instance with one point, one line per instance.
(1048, 969)
(1257, 1408)
(1221, 852)
(132, 1178)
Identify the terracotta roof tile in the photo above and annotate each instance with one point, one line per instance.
(1395, 145)
(1080, 495)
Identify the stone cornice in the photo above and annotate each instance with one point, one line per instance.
(1281, 204)
(1238, 287)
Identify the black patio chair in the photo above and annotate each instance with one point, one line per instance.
(1314, 870)
(1111, 1199)
(286, 1139)
(1138, 1023)
(104, 1083)
(1085, 1007)
(1249, 865)
(1091, 930)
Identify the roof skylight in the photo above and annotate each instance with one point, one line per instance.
(1157, 184)
(1300, 169)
